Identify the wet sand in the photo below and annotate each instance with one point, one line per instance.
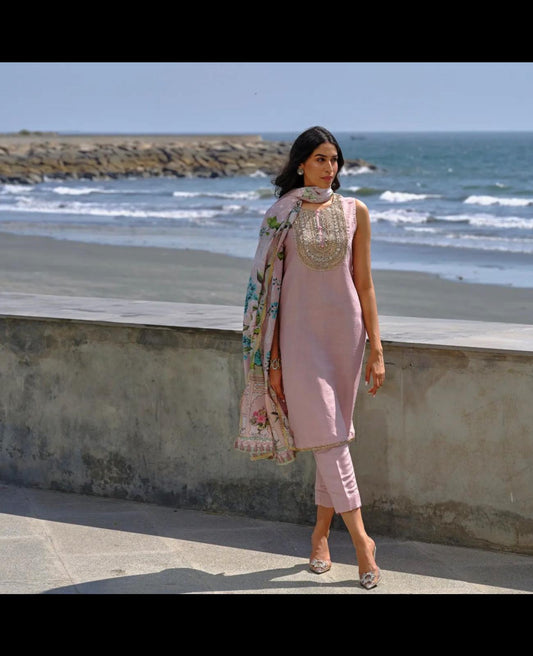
(41, 265)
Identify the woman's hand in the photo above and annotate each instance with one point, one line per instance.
(375, 370)
(276, 382)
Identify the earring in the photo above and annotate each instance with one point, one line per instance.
(300, 171)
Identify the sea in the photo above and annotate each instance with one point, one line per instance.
(459, 205)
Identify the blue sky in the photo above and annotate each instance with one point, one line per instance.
(255, 97)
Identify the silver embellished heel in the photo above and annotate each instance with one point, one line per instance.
(320, 566)
(369, 580)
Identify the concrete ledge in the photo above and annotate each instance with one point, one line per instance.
(400, 330)
(139, 400)
(125, 312)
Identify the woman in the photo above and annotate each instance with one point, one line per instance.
(309, 306)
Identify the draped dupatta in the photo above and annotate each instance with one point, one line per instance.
(264, 431)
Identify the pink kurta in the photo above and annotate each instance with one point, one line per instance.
(322, 335)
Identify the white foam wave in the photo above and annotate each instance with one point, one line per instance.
(501, 222)
(84, 191)
(521, 241)
(77, 191)
(232, 195)
(404, 197)
(422, 229)
(400, 216)
(513, 245)
(15, 189)
(25, 204)
(495, 200)
(355, 170)
(476, 220)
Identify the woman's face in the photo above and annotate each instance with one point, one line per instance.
(321, 167)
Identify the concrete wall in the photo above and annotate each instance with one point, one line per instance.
(139, 400)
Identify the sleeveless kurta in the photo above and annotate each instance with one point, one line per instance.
(322, 335)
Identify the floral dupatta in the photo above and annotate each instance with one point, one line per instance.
(264, 431)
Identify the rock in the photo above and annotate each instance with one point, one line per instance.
(32, 158)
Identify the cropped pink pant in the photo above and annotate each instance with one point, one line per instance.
(335, 485)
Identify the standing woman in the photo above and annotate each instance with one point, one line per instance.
(309, 306)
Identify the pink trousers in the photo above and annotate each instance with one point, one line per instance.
(336, 486)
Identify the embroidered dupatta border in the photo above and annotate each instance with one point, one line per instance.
(264, 431)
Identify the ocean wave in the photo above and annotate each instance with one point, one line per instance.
(496, 200)
(454, 218)
(454, 240)
(488, 186)
(485, 220)
(475, 220)
(400, 216)
(254, 194)
(364, 191)
(355, 170)
(30, 205)
(491, 243)
(86, 191)
(422, 229)
(404, 197)
(78, 191)
(521, 241)
(265, 192)
(502, 222)
(15, 189)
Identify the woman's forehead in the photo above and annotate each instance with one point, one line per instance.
(327, 149)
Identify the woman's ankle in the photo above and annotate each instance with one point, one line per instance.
(319, 545)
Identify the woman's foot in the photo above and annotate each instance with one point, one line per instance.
(369, 572)
(320, 560)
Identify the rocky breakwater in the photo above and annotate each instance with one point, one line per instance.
(32, 159)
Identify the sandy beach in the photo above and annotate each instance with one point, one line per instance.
(41, 265)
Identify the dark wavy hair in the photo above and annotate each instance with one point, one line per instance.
(301, 149)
